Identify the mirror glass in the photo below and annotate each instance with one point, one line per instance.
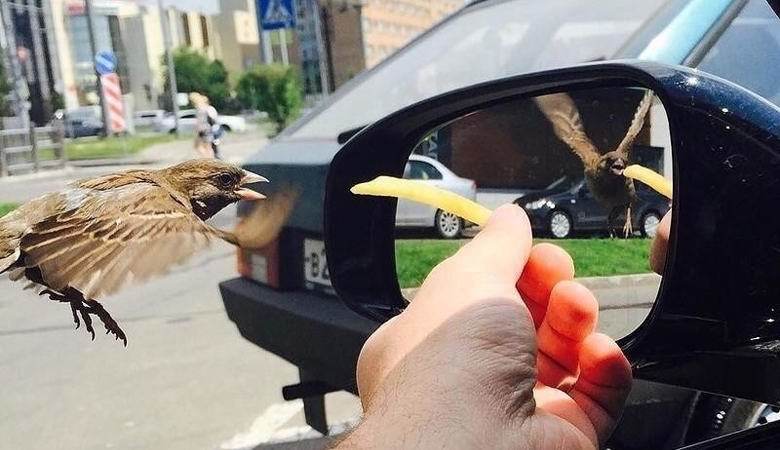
(560, 157)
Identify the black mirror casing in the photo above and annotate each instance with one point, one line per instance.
(716, 323)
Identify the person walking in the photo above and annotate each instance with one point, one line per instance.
(205, 121)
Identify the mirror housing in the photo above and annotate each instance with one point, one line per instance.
(716, 322)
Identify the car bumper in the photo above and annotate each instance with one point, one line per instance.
(317, 333)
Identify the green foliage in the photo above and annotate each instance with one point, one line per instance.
(5, 89)
(275, 89)
(415, 258)
(112, 147)
(5, 208)
(197, 73)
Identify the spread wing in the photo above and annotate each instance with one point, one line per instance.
(636, 123)
(106, 239)
(562, 113)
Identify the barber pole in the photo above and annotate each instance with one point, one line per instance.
(112, 93)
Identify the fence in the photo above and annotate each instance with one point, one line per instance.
(25, 150)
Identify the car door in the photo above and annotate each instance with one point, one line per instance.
(587, 211)
(410, 213)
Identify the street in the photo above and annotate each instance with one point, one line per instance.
(186, 380)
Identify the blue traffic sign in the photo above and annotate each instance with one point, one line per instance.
(105, 62)
(276, 14)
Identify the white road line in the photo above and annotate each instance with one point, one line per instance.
(264, 426)
(293, 434)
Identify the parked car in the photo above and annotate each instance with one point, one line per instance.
(560, 214)
(413, 215)
(81, 122)
(187, 122)
(147, 118)
(274, 290)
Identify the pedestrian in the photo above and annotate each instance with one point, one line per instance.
(205, 121)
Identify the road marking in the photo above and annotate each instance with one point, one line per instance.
(294, 434)
(264, 426)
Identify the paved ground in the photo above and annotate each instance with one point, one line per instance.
(186, 380)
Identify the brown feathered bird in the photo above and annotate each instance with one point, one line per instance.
(603, 171)
(89, 240)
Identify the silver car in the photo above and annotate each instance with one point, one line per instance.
(413, 214)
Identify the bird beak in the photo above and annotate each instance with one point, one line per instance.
(249, 194)
(250, 178)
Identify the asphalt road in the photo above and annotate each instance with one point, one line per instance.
(187, 379)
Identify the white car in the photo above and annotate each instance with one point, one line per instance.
(413, 214)
(147, 118)
(187, 122)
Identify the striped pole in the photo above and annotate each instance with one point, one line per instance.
(112, 93)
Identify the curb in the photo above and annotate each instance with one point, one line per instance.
(112, 162)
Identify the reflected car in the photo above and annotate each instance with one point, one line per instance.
(560, 214)
(411, 214)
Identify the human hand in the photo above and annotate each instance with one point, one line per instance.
(472, 364)
(660, 244)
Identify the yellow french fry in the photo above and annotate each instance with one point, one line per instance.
(417, 191)
(650, 178)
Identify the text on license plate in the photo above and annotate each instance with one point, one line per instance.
(315, 264)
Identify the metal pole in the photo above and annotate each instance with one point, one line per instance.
(20, 91)
(321, 50)
(35, 14)
(93, 52)
(166, 29)
(268, 52)
(283, 46)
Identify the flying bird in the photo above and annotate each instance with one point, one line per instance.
(603, 171)
(91, 239)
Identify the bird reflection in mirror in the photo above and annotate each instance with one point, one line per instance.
(603, 171)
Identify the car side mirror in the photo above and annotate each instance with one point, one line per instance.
(713, 320)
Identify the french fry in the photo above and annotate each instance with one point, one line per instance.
(650, 178)
(416, 191)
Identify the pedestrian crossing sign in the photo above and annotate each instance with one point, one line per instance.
(276, 14)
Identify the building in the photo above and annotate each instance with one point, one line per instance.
(355, 35)
(239, 40)
(133, 32)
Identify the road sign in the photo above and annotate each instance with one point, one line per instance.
(105, 62)
(276, 14)
(112, 94)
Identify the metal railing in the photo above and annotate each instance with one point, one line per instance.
(30, 150)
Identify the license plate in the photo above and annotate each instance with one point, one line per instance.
(315, 265)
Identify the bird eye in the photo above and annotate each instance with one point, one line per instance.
(225, 179)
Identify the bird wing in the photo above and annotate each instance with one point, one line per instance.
(564, 116)
(104, 239)
(636, 123)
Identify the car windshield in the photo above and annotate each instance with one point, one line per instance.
(485, 42)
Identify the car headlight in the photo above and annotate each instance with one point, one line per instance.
(538, 204)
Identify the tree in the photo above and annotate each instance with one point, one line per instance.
(197, 73)
(5, 90)
(275, 89)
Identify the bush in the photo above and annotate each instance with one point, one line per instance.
(275, 89)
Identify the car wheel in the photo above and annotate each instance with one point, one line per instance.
(560, 225)
(448, 225)
(649, 224)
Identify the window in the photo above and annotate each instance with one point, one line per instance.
(748, 52)
(185, 26)
(418, 170)
(204, 30)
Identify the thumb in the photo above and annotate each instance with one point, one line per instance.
(502, 247)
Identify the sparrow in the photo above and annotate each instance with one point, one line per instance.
(603, 171)
(99, 234)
